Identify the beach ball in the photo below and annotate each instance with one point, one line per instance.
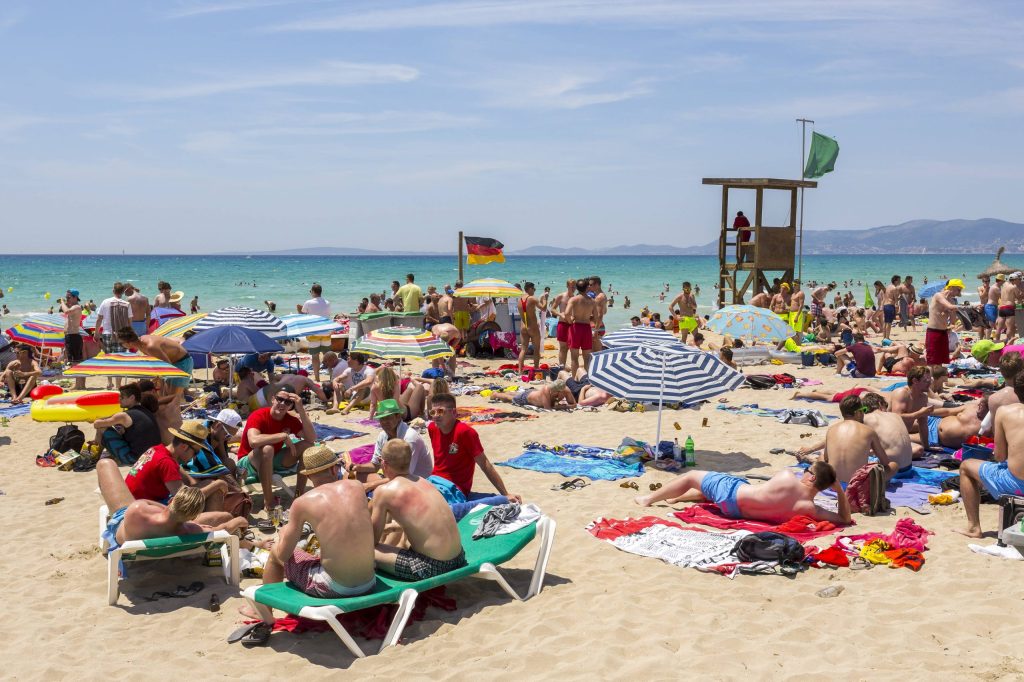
(47, 295)
(10, 289)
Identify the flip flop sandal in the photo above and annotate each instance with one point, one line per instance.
(574, 484)
(258, 636)
(265, 526)
(777, 451)
(241, 632)
(180, 593)
(655, 486)
(630, 484)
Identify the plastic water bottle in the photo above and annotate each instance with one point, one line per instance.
(677, 451)
(690, 459)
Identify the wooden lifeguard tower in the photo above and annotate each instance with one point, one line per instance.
(769, 249)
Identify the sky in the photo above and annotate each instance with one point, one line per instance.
(214, 125)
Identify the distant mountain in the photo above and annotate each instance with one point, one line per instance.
(332, 251)
(914, 237)
(623, 250)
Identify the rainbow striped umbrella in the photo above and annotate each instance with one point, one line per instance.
(175, 328)
(37, 334)
(402, 343)
(498, 288)
(125, 365)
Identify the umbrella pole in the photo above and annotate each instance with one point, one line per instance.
(661, 398)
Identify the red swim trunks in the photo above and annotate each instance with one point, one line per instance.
(838, 397)
(936, 346)
(562, 332)
(581, 335)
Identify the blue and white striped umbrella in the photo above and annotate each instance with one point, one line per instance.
(634, 336)
(242, 316)
(662, 374)
(299, 325)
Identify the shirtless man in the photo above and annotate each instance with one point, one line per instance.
(583, 392)
(911, 402)
(1008, 298)
(445, 308)
(684, 306)
(784, 496)
(553, 396)
(600, 310)
(558, 306)
(889, 302)
(21, 375)
(899, 358)
(291, 383)
(168, 350)
(1010, 366)
(907, 296)
(991, 302)
(848, 442)
(760, 300)
(163, 298)
(579, 313)
(780, 301)
(427, 541)
(941, 312)
(796, 307)
(462, 309)
(1005, 475)
(818, 302)
(950, 427)
(891, 431)
(451, 335)
(140, 308)
(337, 513)
(529, 333)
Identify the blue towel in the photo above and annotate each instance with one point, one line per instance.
(931, 477)
(572, 465)
(892, 387)
(324, 432)
(15, 410)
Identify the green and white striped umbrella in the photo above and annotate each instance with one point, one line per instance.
(402, 343)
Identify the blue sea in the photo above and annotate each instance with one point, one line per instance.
(251, 280)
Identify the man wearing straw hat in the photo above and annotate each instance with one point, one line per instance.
(337, 513)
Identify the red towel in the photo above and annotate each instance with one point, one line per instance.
(801, 528)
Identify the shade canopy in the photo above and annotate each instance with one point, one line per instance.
(751, 323)
(37, 334)
(176, 327)
(998, 267)
(403, 343)
(498, 288)
(298, 325)
(243, 316)
(126, 365)
(634, 336)
(230, 339)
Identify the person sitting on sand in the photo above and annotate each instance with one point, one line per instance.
(337, 513)
(426, 542)
(583, 392)
(458, 452)
(899, 358)
(134, 519)
(911, 402)
(258, 362)
(1011, 365)
(352, 383)
(950, 427)
(267, 446)
(245, 388)
(862, 355)
(224, 430)
(547, 396)
(389, 416)
(891, 431)
(784, 496)
(1005, 475)
(292, 383)
(848, 442)
(833, 397)
(131, 432)
(21, 375)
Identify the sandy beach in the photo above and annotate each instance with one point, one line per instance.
(603, 613)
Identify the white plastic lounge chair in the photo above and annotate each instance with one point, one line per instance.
(169, 547)
(482, 558)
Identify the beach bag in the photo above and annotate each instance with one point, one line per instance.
(238, 504)
(68, 437)
(784, 379)
(760, 381)
(769, 546)
(826, 359)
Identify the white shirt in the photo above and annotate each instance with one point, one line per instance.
(317, 306)
(350, 377)
(107, 324)
(422, 462)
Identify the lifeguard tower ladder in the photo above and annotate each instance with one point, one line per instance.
(743, 265)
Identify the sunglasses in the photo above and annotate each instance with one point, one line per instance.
(284, 401)
(438, 411)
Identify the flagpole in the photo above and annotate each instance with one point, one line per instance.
(460, 256)
(803, 144)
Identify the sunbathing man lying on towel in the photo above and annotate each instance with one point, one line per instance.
(336, 510)
(426, 540)
(784, 496)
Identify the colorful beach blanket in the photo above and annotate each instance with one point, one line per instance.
(15, 410)
(800, 528)
(598, 464)
(785, 415)
(326, 432)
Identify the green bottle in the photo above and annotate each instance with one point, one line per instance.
(690, 460)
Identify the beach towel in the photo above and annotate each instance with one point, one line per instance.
(799, 527)
(779, 414)
(361, 454)
(893, 386)
(15, 410)
(570, 465)
(325, 432)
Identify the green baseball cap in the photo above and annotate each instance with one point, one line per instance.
(386, 408)
(983, 348)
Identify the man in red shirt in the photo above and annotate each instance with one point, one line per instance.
(457, 451)
(267, 445)
(156, 475)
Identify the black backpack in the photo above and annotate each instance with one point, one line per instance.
(769, 546)
(68, 437)
(760, 381)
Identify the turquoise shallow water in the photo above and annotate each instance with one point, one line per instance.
(346, 279)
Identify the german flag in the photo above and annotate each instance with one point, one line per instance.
(483, 250)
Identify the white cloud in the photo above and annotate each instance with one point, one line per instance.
(193, 9)
(541, 89)
(822, 106)
(326, 74)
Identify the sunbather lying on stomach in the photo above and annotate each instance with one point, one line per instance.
(426, 542)
(336, 510)
(784, 496)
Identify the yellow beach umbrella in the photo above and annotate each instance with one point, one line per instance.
(497, 288)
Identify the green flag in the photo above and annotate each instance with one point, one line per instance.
(822, 158)
(868, 303)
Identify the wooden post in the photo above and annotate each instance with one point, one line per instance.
(460, 257)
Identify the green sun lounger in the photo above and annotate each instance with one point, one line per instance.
(169, 547)
(482, 558)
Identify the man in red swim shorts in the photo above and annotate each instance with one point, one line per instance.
(559, 305)
(833, 397)
(580, 313)
(941, 311)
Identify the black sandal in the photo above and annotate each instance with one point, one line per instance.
(180, 593)
(259, 635)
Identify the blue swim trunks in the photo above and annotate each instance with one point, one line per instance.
(889, 313)
(186, 364)
(110, 534)
(991, 312)
(933, 431)
(998, 480)
(139, 326)
(721, 490)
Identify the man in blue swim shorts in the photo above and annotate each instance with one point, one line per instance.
(784, 496)
(1005, 475)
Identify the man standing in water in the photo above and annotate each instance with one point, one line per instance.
(686, 305)
(941, 311)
